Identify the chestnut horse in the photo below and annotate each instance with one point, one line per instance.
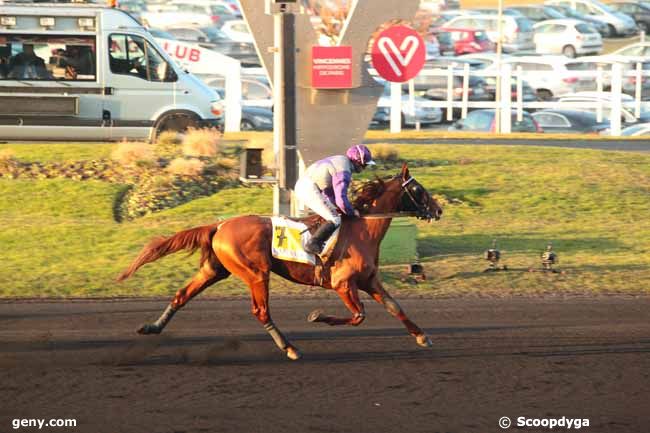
(242, 246)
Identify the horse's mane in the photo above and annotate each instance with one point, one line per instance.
(366, 193)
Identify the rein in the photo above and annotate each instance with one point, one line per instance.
(388, 215)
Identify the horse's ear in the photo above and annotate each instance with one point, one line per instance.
(405, 172)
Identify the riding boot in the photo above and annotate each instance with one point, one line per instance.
(316, 244)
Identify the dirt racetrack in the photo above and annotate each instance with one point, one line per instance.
(215, 369)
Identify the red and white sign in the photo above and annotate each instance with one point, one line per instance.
(331, 67)
(398, 54)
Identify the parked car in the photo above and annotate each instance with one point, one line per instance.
(135, 8)
(447, 16)
(421, 113)
(252, 118)
(638, 10)
(214, 39)
(437, 6)
(628, 63)
(484, 120)
(219, 12)
(256, 91)
(487, 58)
(161, 34)
(636, 130)
(548, 75)
(602, 27)
(494, 11)
(592, 99)
(537, 13)
(517, 31)
(165, 16)
(619, 24)
(637, 49)
(462, 41)
(238, 31)
(569, 121)
(568, 37)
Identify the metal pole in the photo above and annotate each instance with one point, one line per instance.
(284, 131)
(497, 111)
(599, 89)
(637, 93)
(395, 108)
(450, 93)
(520, 96)
(506, 100)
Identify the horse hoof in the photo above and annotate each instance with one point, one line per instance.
(293, 353)
(148, 328)
(315, 316)
(423, 341)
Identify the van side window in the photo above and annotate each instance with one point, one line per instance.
(133, 55)
(47, 58)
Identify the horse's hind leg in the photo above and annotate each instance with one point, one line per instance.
(260, 309)
(208, 275)
(350, 297)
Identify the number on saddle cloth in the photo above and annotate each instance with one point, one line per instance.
(289, 238)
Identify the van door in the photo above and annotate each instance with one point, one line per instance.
(141, 83)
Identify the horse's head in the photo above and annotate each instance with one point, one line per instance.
(415, 198)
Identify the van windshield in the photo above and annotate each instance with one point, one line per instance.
(47, 57)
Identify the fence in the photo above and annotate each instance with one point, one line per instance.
(612, 104)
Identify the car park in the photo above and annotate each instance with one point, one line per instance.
(618, 23)
(606, 62)
(569, 121)
(517, 30)
(458, 41)
(167, 15)
(252, 118)
(638, 10)
(93, 73)
(218, 12)
(568, 37)
(256, 90)
(483, 120)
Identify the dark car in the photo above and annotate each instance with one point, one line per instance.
(640, 11)
(484, 120)
(569, 121)
(214, 39)
(599, 25)
(537, 13)
(528, 94)
(252, 118)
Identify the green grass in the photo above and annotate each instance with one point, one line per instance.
(59, 238)
(58, 152)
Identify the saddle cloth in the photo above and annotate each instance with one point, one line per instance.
(289, 239)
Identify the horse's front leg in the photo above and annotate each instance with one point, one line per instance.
(350, 297)
(380, 295)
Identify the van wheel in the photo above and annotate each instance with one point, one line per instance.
(544, 95)
(178, 122)
(643, 27)
(569, 51)
(611, 31)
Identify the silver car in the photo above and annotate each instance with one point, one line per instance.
(619, 24)
(568, 37)
(517, 30)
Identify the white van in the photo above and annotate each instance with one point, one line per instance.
(86, 72)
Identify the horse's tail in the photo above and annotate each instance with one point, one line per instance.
(189, 240)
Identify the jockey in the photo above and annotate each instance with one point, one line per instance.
(324, 187)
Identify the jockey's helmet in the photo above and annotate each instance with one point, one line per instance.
(360, 155)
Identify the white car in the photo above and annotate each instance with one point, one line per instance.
(218, 11)
(591, 100)
(517, 30)
(548, 75)
(238, 31)
(568, 37)
(638, 49)
(636, 130)
(618, 23)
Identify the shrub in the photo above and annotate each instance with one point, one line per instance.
(168, 145)
(201, 142)
(186, 167)
(384, 152)
(133, 154)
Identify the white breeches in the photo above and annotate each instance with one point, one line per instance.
(313, 198)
